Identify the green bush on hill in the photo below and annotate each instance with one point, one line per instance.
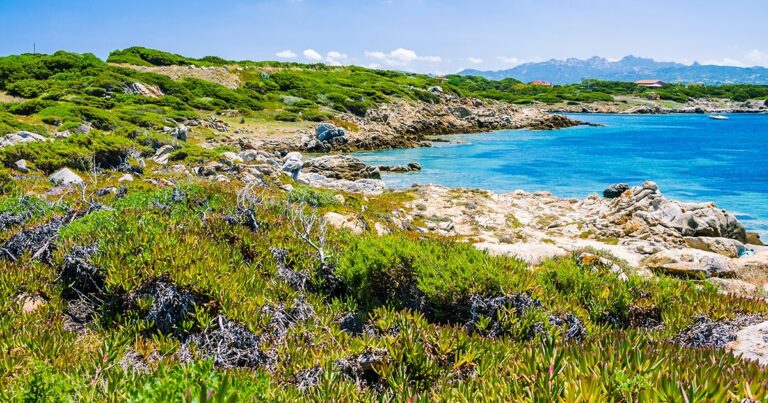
(391, 269)
(139, 56)
(79, 151)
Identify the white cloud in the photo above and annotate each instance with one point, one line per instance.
(754, 57)
(401, 57)
(475, 60)
(312, 54)
(725, 62)
(757, 58)
(285, 54)
(336, 55)
(335, 58)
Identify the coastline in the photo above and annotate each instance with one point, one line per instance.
(639, 106)
(410, 124)
(505, 161)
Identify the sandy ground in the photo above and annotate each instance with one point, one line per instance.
(225, 76)
(5, 98)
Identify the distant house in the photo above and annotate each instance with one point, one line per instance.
(541, 82)
(650, 83)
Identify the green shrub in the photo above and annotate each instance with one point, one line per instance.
(30, 107)
(24, 205)
(312, 196)
(193, 153)
(9, 124)
(380, 270)
(315, 115)
(28, 88)
(7, 184)
(78, 151)
(198, 381)
(45, 385)
(606, 299)
(286, 116)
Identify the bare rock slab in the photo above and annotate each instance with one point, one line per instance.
(752, 343)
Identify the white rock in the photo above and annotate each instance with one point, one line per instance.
(65, 177)
(734, 286)
(722, 246)
(20, 138)
(380, 229)
(531, 253)
(221, 179)
(292, 164)
(232, 157)
(21, 166)
(364, 186)
(179, 168)
(352, 224)
(162, 154)
(752, 343)
(126, 178)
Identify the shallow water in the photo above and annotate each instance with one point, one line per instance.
(691, 157)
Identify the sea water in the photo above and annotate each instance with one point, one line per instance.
(691, 157)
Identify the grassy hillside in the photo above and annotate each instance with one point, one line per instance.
(60, 91)
(207, 292)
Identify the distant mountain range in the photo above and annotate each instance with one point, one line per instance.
(630, 68)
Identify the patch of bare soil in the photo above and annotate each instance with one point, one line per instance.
(220, 75)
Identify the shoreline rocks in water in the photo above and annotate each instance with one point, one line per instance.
(409, 167)
(639, 106)
(341, 167)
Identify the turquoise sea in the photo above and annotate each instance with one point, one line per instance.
(691, 157)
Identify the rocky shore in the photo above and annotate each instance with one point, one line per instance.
(408, 124)
(651, 233)
(636, 106)
(638, 224)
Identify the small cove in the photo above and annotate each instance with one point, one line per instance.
(691, 157)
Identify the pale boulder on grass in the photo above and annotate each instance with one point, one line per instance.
(65, 177)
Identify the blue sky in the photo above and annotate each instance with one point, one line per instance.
(418, 35)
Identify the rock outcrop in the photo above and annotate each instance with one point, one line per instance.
(146, 90)
(409, 167)
(292, 164)
(65, 177)
(363, 186)
(341, 167)
(453, 115)
(642, 227)
(162, 154)
(752, 343)
(327, 131)
(20, 138)
(408, 124)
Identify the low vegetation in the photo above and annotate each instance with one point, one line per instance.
(139, 281)
(514, 91)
